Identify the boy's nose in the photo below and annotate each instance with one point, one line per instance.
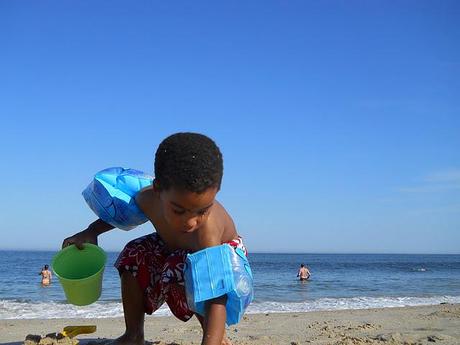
(191, 223)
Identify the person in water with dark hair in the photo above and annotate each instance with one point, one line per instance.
(46, 276)
(180, 204)
(304, 273)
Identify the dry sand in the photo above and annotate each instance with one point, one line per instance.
(438, 324)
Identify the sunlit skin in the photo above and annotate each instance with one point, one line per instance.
(187, 220)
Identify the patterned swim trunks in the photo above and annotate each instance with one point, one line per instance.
(160, 273)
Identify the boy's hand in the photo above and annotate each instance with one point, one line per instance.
(89, 235)
(85, 236)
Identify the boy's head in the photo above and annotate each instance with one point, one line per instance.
(188, 161)
(188, 173)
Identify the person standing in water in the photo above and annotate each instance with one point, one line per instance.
(46, 276)
(303, 273)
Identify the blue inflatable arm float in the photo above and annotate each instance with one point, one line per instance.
(111, 195)
(217, 271)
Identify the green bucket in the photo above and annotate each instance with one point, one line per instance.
(80, 272)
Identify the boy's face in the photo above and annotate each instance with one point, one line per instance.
(186, 211)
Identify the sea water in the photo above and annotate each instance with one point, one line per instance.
(338, 281)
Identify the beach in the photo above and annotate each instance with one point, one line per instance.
(438, 324)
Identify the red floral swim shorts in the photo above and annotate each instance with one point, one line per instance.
(160, 273)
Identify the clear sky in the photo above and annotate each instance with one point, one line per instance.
(339, 121)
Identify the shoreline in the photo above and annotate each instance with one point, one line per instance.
(113, 309)
(399, 325)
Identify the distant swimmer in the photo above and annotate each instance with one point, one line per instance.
(303, 273)
(46, 276)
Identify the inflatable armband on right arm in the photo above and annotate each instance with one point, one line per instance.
(217, 271)
(111, 195)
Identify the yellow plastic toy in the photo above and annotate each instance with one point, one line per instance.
(65, 337)
(73, 331)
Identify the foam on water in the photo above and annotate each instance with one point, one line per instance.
(16, 309)
(323, 304)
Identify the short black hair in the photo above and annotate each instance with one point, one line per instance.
(189, 161)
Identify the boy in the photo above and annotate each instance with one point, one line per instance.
(180, 203)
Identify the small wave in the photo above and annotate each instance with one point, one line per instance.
(57, 309)
(14, 309)
(324, 304)
(419, 269)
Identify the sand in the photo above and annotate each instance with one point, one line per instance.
(438, 324)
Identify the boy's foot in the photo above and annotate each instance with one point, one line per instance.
(127, 340)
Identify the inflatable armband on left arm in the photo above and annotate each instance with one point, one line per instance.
(217, 271)
(111, 195)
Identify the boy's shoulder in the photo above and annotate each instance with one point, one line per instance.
(145, 200)
(219, 218)
(144, 196)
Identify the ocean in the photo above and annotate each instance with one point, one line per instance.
(339, 281)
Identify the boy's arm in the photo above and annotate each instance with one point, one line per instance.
(89, 235)
(216, 315)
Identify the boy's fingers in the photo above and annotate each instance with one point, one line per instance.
(74, 240)
(69, 241)
(79, 244)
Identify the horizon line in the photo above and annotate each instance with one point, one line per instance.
(269, 252)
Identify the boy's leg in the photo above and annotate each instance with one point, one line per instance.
(225, 340)
(133, 309)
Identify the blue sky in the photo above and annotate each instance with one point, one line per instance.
(339, 121)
